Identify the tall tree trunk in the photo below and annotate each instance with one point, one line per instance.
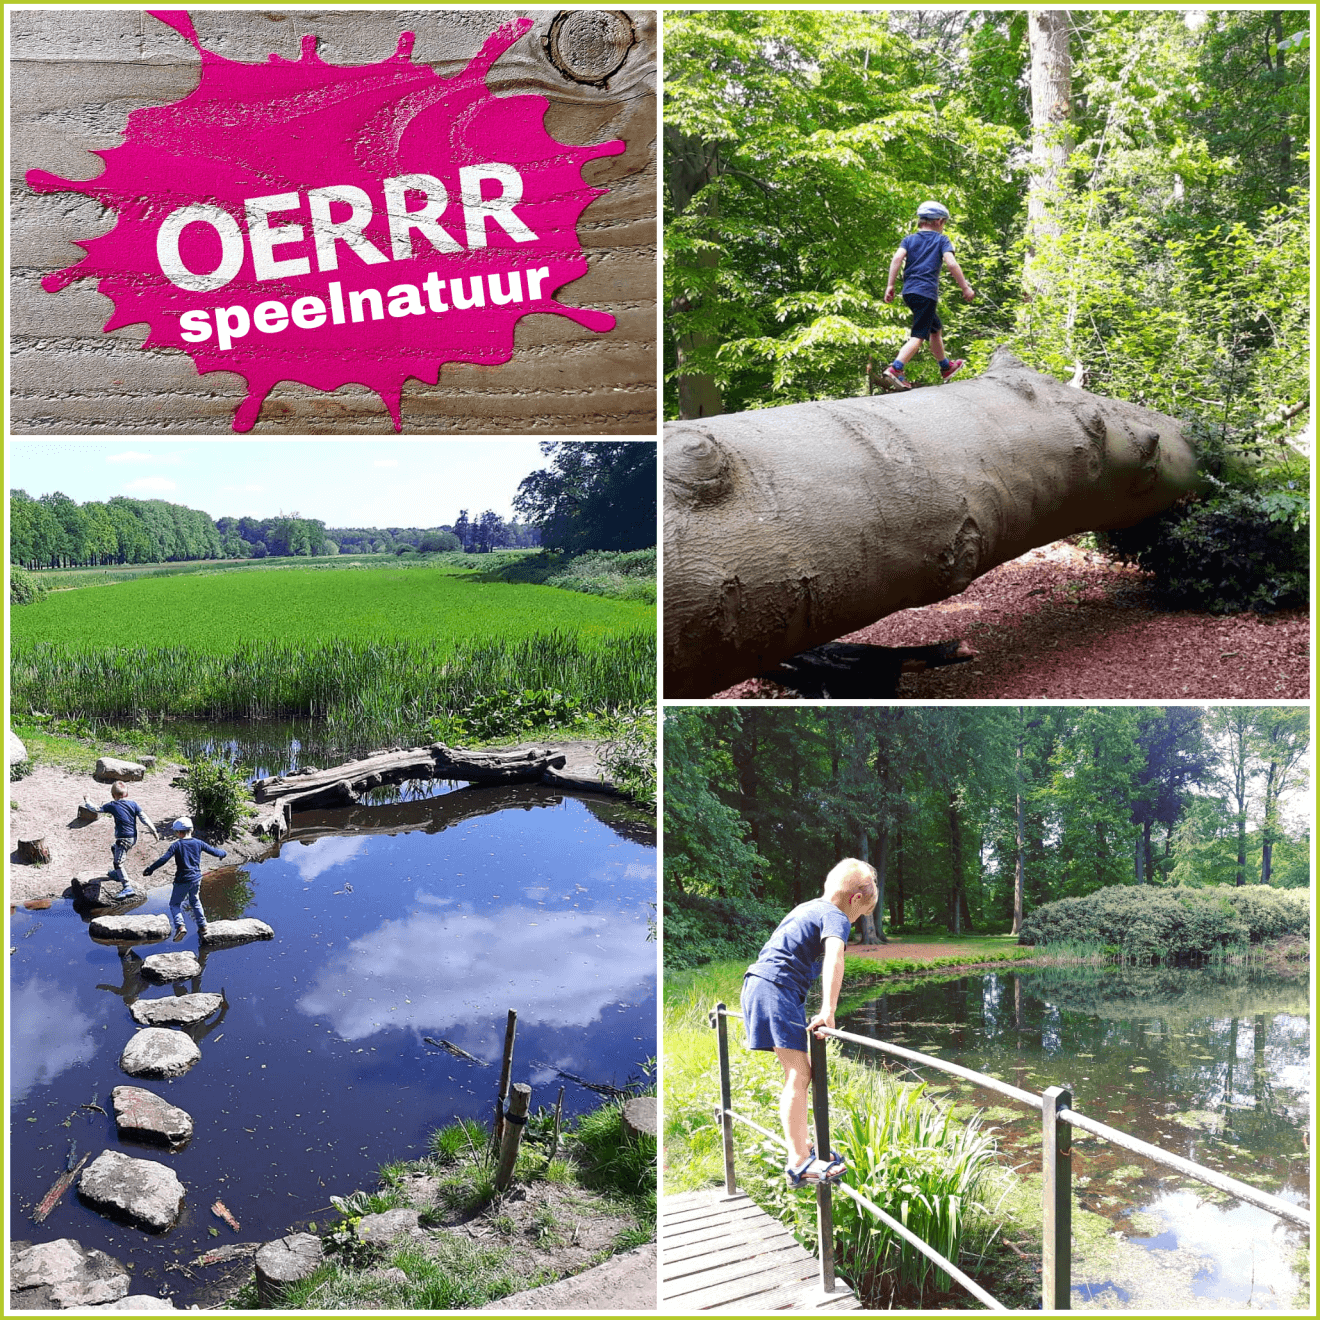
(1020, 871)
(1146, 829)
(898, 916)
(690, 164)
(1051, 123)
(956, 858)
(872, 927)
(1267, 824)
(866, 925)
(1138, 859)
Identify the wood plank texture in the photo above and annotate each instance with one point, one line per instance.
(725, 1254)
(76, 75)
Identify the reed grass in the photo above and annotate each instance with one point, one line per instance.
(400, 685)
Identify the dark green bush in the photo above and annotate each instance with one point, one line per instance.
(700, 930)
(1152, 925)
(218, 797)
(24, 588)
(1238, 550)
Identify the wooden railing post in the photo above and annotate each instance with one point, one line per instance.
(1056, 1169)
(721, 1024)
(820, 1107)
(515, 1120)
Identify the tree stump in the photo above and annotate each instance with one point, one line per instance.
(639, 1116)
(34, 851)
(283, 1262)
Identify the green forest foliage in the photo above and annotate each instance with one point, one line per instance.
(1172, 265)
(760, 802)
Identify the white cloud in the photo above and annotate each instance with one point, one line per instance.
(131, 456)
(439, 971)
(161, 485)
(321, 855)
(37, 1055)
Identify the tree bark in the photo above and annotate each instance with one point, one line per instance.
(788, 527)
(1020, 870)
(1051, 121)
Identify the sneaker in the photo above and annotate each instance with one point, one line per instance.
(955, 366)
(179, 933)
(126, 894)
(896, 378)
(203, 932)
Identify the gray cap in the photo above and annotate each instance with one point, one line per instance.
(932, 211)
(183, 825)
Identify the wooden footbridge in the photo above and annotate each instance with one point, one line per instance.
(723, 1253)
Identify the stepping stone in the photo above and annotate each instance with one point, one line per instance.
(237, 932)
(131, 928)
(63, 1275)
(144, 1116)
(165, 967)
(158, 1053)
(285, 1261)
(176, 1010)
(143, 1193)
(108, 770)
(383, 1228)
(138, 1304)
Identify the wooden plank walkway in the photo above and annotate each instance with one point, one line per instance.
(725, 1254)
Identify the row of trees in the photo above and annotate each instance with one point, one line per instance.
(974, 815)
(594, 495)
(57, 532)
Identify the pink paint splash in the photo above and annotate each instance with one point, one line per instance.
(257, 130)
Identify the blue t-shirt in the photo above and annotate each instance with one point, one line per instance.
(793, 956)
(187, 854)
(126, 814)
(925, 256)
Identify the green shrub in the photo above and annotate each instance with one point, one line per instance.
(629, 758)
(24, 588)
(19, 770)
(699, 930)
(217, 796)
(1151, 925)
(1239, 550)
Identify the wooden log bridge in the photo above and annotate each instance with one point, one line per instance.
(343, 785)
(724, 1254)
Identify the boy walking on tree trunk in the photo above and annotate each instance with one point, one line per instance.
(924, 253)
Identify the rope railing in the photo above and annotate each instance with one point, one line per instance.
(1058, 1118)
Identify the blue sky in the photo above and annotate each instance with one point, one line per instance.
(345, 483)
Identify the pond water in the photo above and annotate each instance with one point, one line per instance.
(1210, 1064)
(424, 918)
(272, 747)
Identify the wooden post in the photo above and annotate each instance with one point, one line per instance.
(559, 1117)
(721, 1024)
(519, 1101)
(820, 1108)
(1056, 1168)
(505, 1069)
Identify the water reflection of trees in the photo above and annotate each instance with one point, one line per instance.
(1152, 1043)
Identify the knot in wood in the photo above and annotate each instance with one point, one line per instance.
(697, 468)
(589, 45)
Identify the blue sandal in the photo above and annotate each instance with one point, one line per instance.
(814, 1170)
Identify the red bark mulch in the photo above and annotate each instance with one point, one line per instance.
(1067, 624)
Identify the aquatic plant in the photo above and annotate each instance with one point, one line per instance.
(217, 795)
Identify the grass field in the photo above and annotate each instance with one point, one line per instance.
(404, 653)
(221, 612)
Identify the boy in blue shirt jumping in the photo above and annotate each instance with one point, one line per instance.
(924, 253)
(126, 814)
(774, 1000)
(187, 853)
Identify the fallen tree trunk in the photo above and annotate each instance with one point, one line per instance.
(342, 786)
(789, 527)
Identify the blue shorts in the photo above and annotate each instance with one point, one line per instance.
(925, 319)
(772, 1017)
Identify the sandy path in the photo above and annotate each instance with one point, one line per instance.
(45, 805)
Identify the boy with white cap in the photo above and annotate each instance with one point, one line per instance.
(187, 853)
(924, 253)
